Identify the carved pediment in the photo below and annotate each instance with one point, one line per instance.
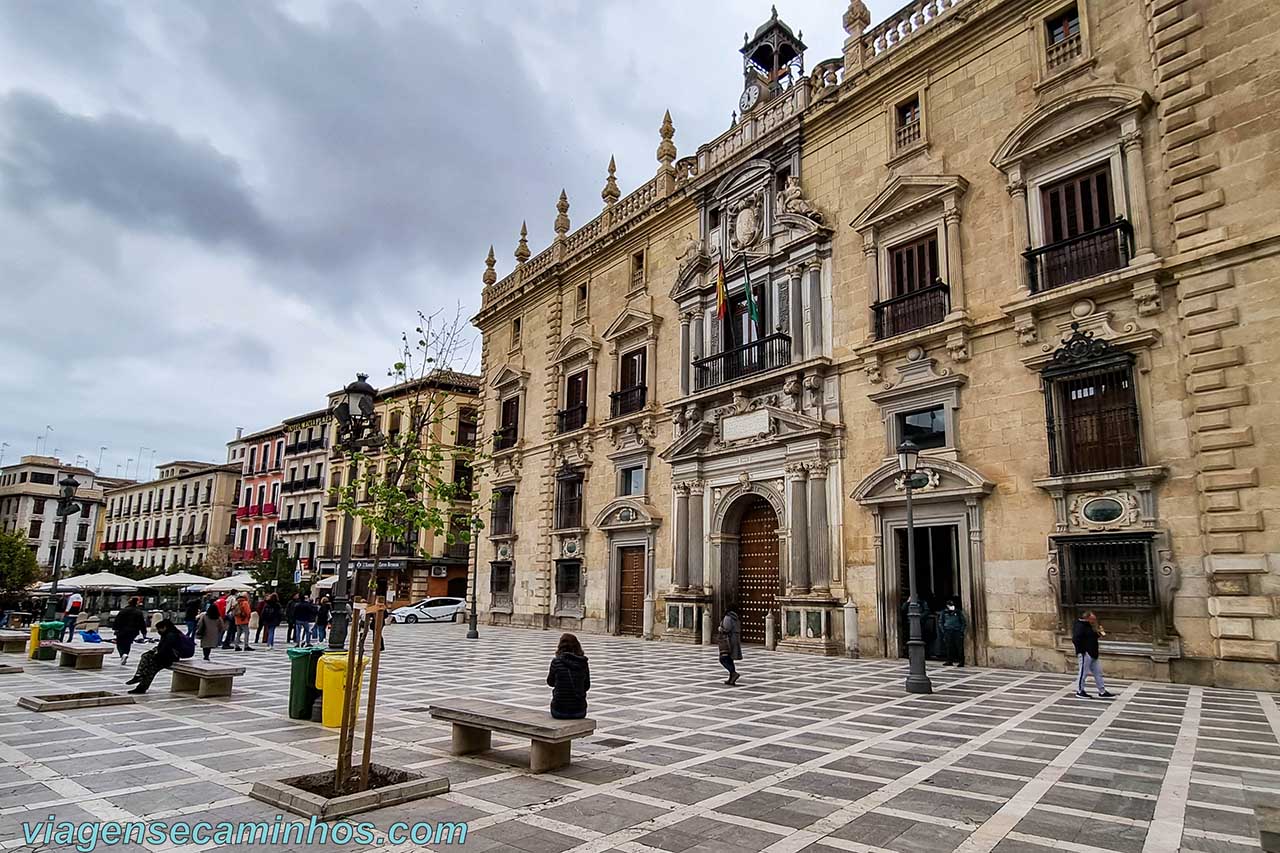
(690, 277)
(690, 443)
(905, 195)
(1068, 119)
(936, 478)
(626, 514)
(509, 375)
(574, 345)
(744, 423)
(750, 175)
(631, 320)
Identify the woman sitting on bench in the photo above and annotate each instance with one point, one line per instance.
(163, 656)
(570, 679)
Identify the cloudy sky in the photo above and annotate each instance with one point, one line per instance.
(212, 213)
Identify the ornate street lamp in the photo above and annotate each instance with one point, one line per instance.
(357, 430)
(917, 679)
(67, 507)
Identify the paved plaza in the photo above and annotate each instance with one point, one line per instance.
(807, 754)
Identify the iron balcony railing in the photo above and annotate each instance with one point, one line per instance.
(768, 353)
(574, 417)
(504, 438)
(898, 315)
(1083, 256)
(627, 401)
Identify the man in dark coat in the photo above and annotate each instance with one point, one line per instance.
(1084, 636)
(129, 622)
(730, 644)
(289, 617)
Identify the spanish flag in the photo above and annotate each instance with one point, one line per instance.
(722, 294)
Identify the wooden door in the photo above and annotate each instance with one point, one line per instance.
(758, 578)
(631, 591)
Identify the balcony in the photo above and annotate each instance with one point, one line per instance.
(242, 512)
(574, 417)
(395, 549)
(910, 311)
(331, 502)
(1064, 52)
(907, 134)
(768, 353)
(459, 551)
(268, 508)
(161, 541)
(360, 549)
(189, 539)
(504, 438)
(1083, 256)
(314, 444)
(628, 401)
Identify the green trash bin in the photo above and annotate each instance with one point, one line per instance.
(302, 680)
(50, 632)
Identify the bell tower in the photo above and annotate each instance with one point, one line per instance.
(769, 58)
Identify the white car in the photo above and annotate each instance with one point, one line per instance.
(430, 610)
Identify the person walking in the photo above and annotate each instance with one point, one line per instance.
(242, 613)
(288, 615)
(730, 644)
(304, 615)
(269, 618)
(209, 629)
(255, 618)
(226, 608)
(569, 679)
(173, 646)
(1084, 636)
(952, 625)
(129, 622)
(322, 619)
(70, 615)
(190, 615)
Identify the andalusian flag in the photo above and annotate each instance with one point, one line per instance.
(722, 295)
(753, 307)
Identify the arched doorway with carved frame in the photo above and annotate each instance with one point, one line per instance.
(749, 535)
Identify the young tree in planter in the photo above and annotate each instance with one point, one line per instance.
(405, 486)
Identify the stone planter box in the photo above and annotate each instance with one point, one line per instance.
(69, 701)
(8, 667)
(398, 786)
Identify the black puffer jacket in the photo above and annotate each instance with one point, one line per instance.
(1085, 638)
(570, 679)
(129, 622)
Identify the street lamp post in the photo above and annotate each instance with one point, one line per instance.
(473, 632)
(67, 507)
(917, 679)
(357, 430)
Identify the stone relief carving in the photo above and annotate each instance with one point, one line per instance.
(791, 200)
(637, 435)
(746, 221)
(1104, 510)
(933, 479)
(691, 251)
(506, 466)
(574, 452)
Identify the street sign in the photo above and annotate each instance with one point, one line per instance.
(297, 576)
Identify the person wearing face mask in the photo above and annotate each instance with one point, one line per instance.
(952, 623)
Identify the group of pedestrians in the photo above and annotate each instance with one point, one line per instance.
(308, 620)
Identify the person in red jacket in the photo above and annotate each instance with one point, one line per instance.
(242, 611)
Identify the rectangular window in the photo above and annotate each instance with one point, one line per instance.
(580, 302)
(926, 428)
(568, 577)
(463, 478)
(500, 578)
(1062, 38)
(574, 414)
(37, 506)
(515, 333)
(740, 329)
(34, 531)
(907, 123)
(631, 481)
(632, 389)
(253, 457)
(568, 501)
(508, 429)
(42, 479)
(637, 270)
(1107, 572)
(913, 266)
(1093, 420)
(1083, 237)
(502, 518)
(917, 295)
(466, 427)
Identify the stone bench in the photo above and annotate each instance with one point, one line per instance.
(203, 678)
(14, 641)
(475, 721)
(81, 655)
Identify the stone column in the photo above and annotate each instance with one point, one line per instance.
(799, 527)
(1136, 176)
(815, 308)
(650, 366)
(873, 280)
(819, 533)
(1021, 232)
(955, 264)
(686, 354)
(796, 316)
(592, 369)
(696, 538)
(681, 579)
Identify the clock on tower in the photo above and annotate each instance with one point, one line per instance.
(768, 60)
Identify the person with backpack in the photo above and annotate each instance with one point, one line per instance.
(304, 615)
(241, 614)
(1084, 636)
(190, 615)
(129, 622)
(730, 644)
(70, 615)
(269, 618)
(209, 629)
(952, 625)
(173, 646)
(569, 679)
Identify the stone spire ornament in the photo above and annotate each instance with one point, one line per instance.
(610, 193)
(666, 148)
(562, 215)
(522, 249)
(490, 275)
(856, 18)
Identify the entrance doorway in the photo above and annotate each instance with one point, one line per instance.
(758, 574)
(631, 591)
(937, 580)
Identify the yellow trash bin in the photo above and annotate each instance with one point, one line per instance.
(331, 679)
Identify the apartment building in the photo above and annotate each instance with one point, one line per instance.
(29, 494)
(303, 491)
(260, 456)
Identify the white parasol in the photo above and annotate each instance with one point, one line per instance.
(232, 584)
(100, 580)
(182, 579)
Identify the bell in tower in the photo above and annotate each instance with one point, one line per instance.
(769, 58)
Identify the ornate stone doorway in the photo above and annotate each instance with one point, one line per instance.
(631, 590)
(937, 579)
(759, 577)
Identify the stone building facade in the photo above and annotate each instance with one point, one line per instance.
(302, 493)
(1032, 236)
(29, 502)
(261, 457)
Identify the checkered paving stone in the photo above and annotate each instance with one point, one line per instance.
(807, 754)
